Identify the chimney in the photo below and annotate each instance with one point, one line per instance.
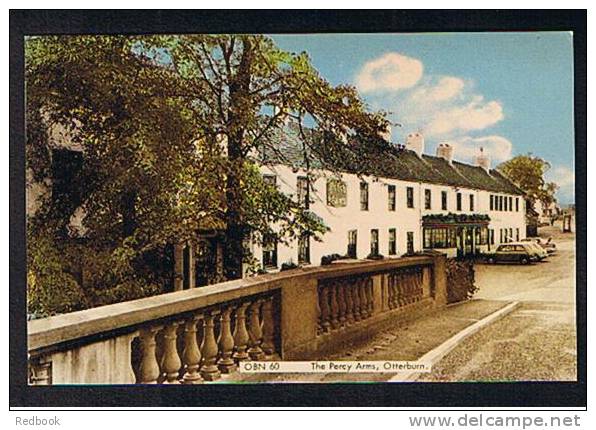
(445, 151)
(482, 160)
(415, 142)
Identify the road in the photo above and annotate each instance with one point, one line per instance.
(535, 342)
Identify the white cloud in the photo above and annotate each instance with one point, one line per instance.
(445, 89)
(391, 72)
(467, 148)
(476, 114)
(564, 177)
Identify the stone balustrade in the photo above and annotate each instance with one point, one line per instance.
(201, 334)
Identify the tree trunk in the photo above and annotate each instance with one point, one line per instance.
(238, 115)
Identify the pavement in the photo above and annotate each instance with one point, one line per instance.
(534, 342)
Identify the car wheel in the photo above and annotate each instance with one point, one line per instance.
(525, 260)
(491, 260)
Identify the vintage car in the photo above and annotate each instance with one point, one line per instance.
(544, 248)
(513, 253)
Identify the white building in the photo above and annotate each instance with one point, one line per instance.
(426, 202)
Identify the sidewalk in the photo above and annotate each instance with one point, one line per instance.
(406, 342)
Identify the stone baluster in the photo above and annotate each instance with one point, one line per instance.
(333, 306)
(149, 367)
(354, 286)
(390, 292)
(349, 304)
(363, 298)
(369, 296)
(255, 332)
(226, 363)
(209, 370)
(400, 289)
(325, 310)
(268, 344)
(240, 334)
(395, 288)
(41, 371)
(341, 303)
(170, 362)
(191, 353)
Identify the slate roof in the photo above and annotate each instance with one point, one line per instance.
(394, 163)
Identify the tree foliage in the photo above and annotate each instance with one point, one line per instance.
(171, 128)
(527, 172)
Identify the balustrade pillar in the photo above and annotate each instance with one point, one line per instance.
(341, 303)
(149, 367)
(171, 363)
(325, 310)
(363, 298)
(349, 305)
(226, 363)
(191, 354)
(354, 286)
(370, 296)
(268, 344)
(209, 370)
(333, 306)
(255, 333)
(240, 334)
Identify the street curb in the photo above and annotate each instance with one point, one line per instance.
(435, 355)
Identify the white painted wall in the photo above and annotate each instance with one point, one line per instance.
(403, 219)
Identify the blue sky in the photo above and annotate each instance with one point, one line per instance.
(511, 93)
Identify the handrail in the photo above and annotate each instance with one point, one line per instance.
(46, 332)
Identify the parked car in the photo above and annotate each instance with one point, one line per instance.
(540, 250)
(549, 245)
(513, 253)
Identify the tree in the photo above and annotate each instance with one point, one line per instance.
(527, 172)
(171, 128)
(246, 89)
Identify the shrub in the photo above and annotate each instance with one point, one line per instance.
(460, 280)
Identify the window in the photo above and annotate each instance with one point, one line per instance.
(511, 235)
(269, 251)
(302, 189)
(492, 201)
(374, 242)
(517, 234)
(337, 193)
(410, 242)
(391, 197)
(410, 196)
(392, 249)
(304, 249)
(471, 202)
(270, 180)
(444, 200)
(439, 238)
(458, 201)
(511, 204)
(505, 207)
(352, 243)
(363, 196)
(492, 236)
(501, 235)
(500, 203)
(427, 199)
(517, 204)
(484, 236)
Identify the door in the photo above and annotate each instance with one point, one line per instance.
(353, 243)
